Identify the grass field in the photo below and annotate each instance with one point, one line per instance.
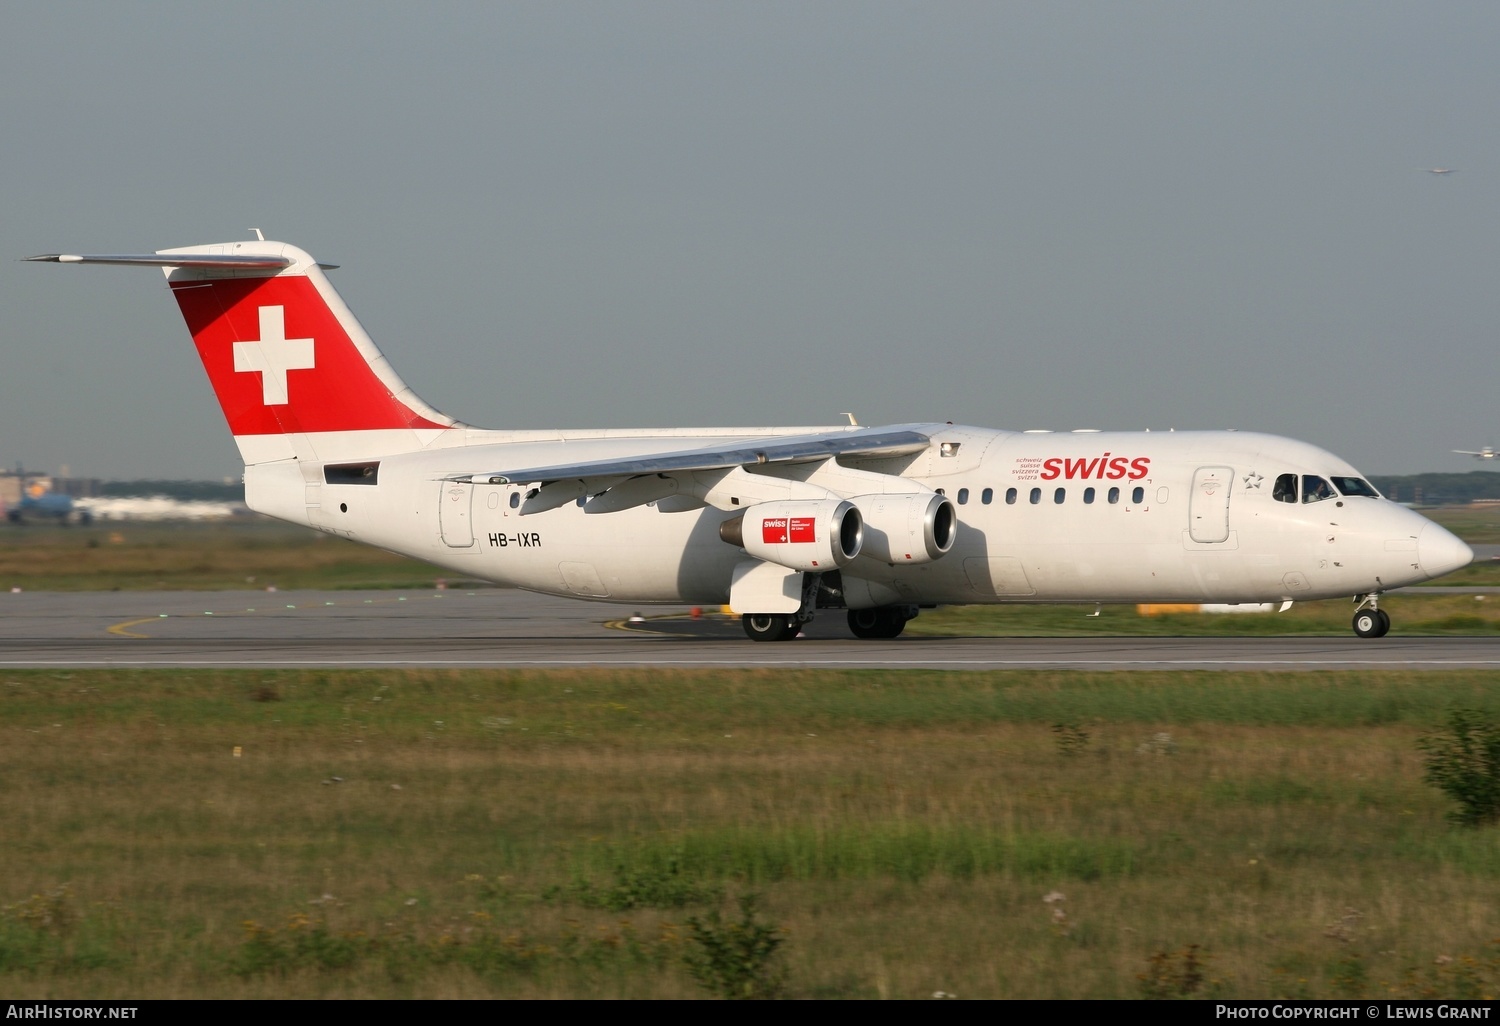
(1477, 525)
(473, 834)
(245, 552)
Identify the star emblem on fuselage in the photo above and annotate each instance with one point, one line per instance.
(1253, 480)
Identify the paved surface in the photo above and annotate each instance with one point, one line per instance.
(495, 628)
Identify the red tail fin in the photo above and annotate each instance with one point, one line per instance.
(295, 373)
(293, 369)
(280, 361)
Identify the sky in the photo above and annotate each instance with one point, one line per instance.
(559, 214)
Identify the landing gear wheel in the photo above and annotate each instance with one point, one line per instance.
(884, 622)
(769, 626)
(1371, 623)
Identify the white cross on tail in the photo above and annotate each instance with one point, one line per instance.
(273, 355)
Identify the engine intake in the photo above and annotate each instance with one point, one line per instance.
(908, 528)
(799, 534)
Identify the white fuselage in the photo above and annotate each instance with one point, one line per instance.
(1043, 517)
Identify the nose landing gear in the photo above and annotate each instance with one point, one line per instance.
(1369, 620)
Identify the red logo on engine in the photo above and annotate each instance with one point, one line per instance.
(781, 530)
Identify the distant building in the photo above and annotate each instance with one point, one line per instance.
(77, 487)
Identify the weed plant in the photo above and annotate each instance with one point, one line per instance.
(736, 960)
(1463, 761)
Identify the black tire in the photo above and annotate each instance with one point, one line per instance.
(865, 623)
(1385, 623)
(882, 622)
(769, 626)
(1368, 623)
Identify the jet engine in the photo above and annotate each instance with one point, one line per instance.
(907, 528)
(808, 535)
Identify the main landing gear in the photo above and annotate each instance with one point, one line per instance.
(1370, 621)
(770, 626)
(784, 626)
(825, 591)
(882, 622)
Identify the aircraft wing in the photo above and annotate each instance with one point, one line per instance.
(867, 442)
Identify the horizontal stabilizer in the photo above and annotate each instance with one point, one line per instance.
(225, 261)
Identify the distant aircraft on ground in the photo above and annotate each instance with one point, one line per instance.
(38, 502)
(776, 521)
(1486, 453)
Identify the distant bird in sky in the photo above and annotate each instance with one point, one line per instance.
(1440, 170)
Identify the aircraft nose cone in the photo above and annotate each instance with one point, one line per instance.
(1439, 552)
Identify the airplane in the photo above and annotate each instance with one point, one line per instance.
(777, 522)
(1485, 453)
(1440, 170)
(40, 502)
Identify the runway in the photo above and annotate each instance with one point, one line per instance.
(494, 628)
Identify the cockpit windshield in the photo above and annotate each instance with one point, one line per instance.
(1315, 489)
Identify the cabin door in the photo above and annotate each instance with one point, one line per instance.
(455, 519)
(1208, 506)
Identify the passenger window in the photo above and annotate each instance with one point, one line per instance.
(1059, 495)
(1010, 496)
(515, 499)
(1138, 495)
(1088, 495)
(963, 496)
(1114, 496)
(1036, 496)
(986, 495)
(1286, 488)
(1315, 489)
